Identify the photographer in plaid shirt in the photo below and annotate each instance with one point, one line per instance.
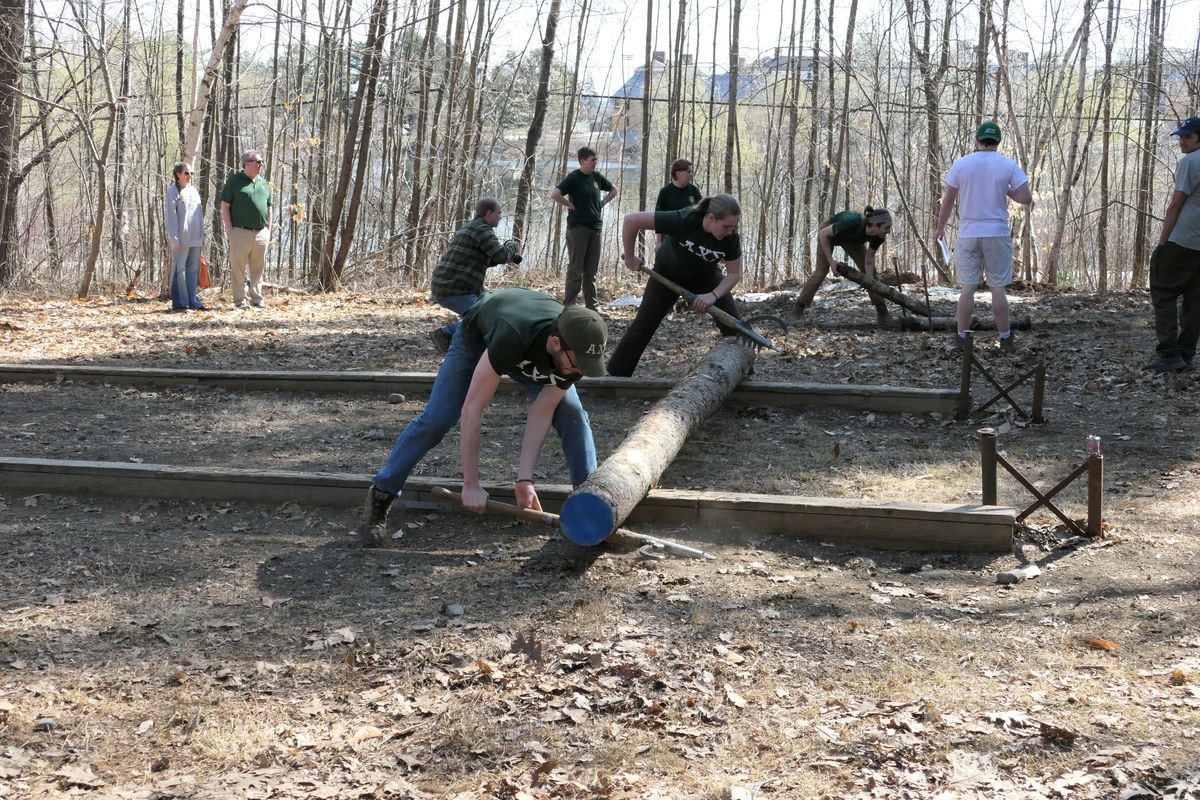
(457, 282)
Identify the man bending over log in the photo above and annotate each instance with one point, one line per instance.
(532, 339)
(696, 240)
(860, 235)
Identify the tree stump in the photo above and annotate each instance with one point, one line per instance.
(609, 495)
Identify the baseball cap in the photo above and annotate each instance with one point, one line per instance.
(988, 132)
(584, 333)
(1189, 125)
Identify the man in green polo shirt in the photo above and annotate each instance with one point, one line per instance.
(579, 193)
(246, 211)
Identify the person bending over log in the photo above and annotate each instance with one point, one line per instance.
(860, 235)
(546, 349)
(695, 242)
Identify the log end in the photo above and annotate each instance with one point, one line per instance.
(586, 519)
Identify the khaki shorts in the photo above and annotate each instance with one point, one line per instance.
(976, 256)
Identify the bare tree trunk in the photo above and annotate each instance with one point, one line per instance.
(12, 45)
(421, 153)
(353, 158)
(648, 89)
(844, 115)
(731, 130)
(933, 70)
(537, 123)
(204, 89)
(1110, 30)
(179, 105)
(1064, 195)
(1151, 89)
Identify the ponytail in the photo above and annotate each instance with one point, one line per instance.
(877, 216)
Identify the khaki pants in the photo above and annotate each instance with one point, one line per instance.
(247, 248)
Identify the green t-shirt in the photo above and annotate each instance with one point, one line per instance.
(249, 200)
(512, 325)
(850, 227)
(673, 198)
(687, 250)
(585, 192)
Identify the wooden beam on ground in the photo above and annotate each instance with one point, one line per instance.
(794, 394)
(603, 501)
(867, 523)
(951, 323)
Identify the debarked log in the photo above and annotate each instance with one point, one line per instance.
(951, 323)
(898, 297)
(609, 495)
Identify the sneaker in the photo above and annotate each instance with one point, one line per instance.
(441, 340)
(241, 304)
(372, 527)
(199, 308)
(1167, 363)
(258, 304)
(1008, 344)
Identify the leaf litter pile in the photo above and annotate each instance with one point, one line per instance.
(196, 649)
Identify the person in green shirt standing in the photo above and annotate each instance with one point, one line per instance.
(679, 193)
(580, 194)
(246, 212)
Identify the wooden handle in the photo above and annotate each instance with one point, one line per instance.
(718, 314)
(528, 514)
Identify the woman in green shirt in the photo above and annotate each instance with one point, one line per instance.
(860, 235)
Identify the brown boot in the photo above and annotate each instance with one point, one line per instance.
(372, 528)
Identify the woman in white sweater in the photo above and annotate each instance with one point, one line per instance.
(185, 230)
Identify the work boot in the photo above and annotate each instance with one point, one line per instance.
(372, 528)
(1172, 362)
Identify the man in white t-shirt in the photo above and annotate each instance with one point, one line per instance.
(983, 183)
(1175, 263)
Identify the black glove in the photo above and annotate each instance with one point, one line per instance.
(516, 259)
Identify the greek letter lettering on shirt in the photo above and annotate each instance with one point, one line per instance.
(530, 370)
(701, 252)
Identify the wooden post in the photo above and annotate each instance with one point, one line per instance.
(1095, 490)
(987, 452)
(964, 386)
(606, 498)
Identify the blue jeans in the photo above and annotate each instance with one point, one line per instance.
(459, 304)
(444, 408)
(185, 273)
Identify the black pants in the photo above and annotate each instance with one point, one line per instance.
(657, 301)
(1175, 276)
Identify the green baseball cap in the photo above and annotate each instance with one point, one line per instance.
(585, 334)
(988, 132)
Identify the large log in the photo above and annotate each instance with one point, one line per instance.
(879, 287)
(951, 324)
(606, 498)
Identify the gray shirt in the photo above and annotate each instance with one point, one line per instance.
(1186, 232)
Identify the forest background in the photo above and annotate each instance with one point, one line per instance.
(382, 122)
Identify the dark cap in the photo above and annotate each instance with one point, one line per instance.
(988, 132)
(1189, 125)
(584, 332)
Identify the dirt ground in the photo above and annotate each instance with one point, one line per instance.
(184, 649)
